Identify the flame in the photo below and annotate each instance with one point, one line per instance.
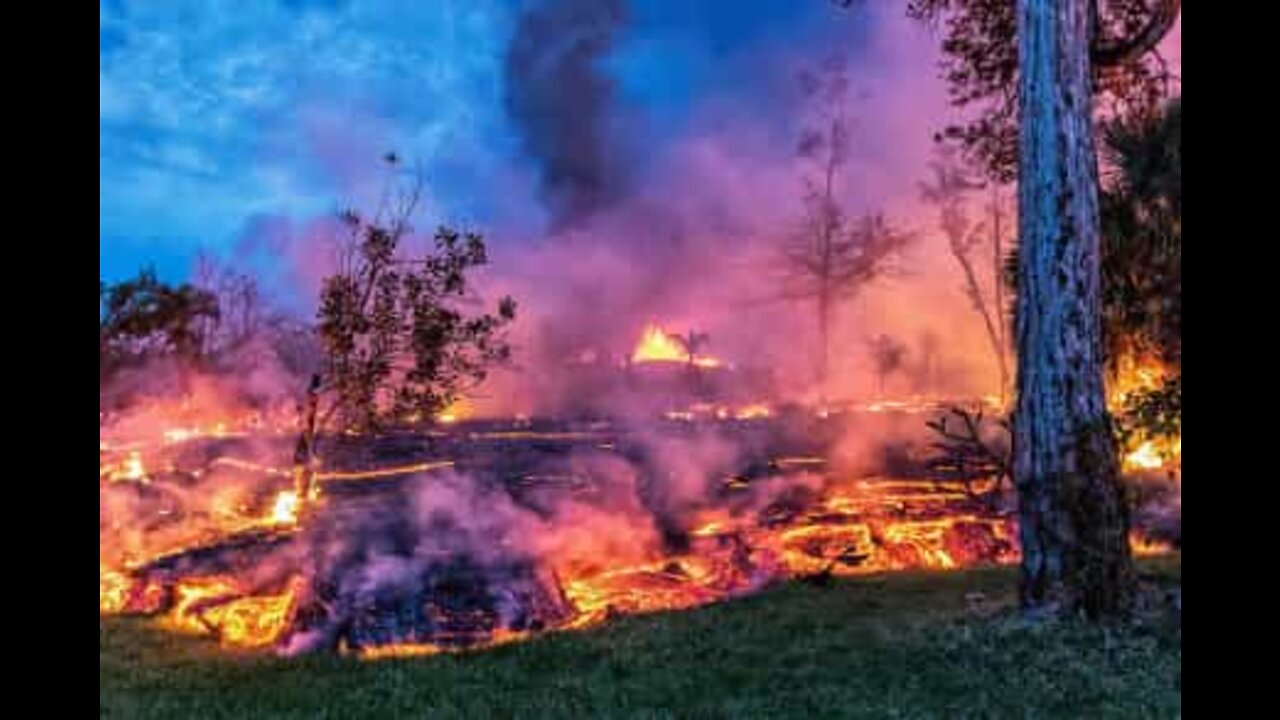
(114, 590)
(285, 509)
(658, 346)
(753, 412)
(130, 469)
(1144, 457)
(458, 410)
(253, 621)
(219, 605)
(1141, 545)
(500, 636)
(1133, 375)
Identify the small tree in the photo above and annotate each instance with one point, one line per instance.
(144, 318)
(831, 258)
(398, 343)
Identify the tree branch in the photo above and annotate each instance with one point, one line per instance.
(1111, 53)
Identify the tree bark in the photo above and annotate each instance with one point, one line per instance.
(1073, 520)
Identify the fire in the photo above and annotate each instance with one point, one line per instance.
(219, 606)
(130, 469)
(1141, 545)
(658, 346)
(1154, 454)
(133, 469)
(500, 636)
(1144, 457)
(285, 509)
(709, 411)
(253, 621)
(1134, 375)
(753, 412)
(457, 411)
(114, 589)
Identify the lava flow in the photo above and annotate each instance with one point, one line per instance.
(493, 532)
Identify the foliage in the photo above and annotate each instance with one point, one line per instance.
(399, 345)
(1141, 214)
(1156, 412)
(980, 65)
(1141, 208)
(972, 448)
(143, 318)
(832, 257)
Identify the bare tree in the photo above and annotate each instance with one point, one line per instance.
(241, 314)
(831, 258)
(949, 191)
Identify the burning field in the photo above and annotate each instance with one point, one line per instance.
(480, 532)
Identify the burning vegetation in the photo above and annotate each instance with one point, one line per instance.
(480, 532)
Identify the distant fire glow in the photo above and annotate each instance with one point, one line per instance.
(658, 346)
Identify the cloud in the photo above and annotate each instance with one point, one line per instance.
(210, 113)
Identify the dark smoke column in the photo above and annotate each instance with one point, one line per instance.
(562, 103)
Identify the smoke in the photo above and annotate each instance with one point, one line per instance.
(562, 102)
(686, 238)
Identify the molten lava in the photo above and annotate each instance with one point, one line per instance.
(799, 524)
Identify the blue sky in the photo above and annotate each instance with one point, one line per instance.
(216, 114)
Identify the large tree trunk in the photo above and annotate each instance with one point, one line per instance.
(1074, 524)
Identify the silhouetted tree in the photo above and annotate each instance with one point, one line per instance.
(948, 191)
(888, 355)
(144, 318)
(831, 258)
(399, 344)
(241, 313)
(1141, 209)
(1142, 260)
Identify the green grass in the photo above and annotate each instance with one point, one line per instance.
(901, 646)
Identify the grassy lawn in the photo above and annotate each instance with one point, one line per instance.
(901, 646)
